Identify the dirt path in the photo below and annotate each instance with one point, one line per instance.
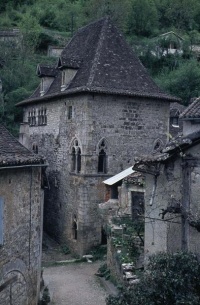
(75, 284)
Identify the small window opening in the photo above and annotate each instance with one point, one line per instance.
(73, 160)
(174, 121)
(78, 160)
(63, 78)
(157, 146)
(103, 236)
(74, 228)
(102, 158)
(42, 116)
(32, 117)
(69, 112)
(42, 87)
(35, 148)
(76, 157)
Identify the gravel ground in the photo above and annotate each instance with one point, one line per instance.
(75, 284)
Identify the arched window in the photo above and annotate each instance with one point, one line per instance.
(74, 228)
(76, 157)
(73, 160)
(102, 157)
(157, 146)
(35, 148)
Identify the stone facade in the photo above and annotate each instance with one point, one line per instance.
(129, 127)
(90, 124)
(172, 206)
(176, 187)
(20, 250)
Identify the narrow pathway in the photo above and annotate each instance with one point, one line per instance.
(75, 284)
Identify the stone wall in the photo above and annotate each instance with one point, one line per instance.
(20, 253)
(130, 126)
(178, 183)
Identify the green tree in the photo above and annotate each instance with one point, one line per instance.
(143, 18)
(183, 82)
(170, 279)
(180, 14)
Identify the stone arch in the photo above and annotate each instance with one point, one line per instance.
(102, 152)
(14, 283)
(157, 146)
(74, 227)
(35, 148)
(75, 152)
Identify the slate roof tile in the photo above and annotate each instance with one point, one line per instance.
(192, 111)
(105, 63)
(46, 70)
(13, 152)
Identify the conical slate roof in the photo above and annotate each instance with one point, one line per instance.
(105, 63)
(13, 152)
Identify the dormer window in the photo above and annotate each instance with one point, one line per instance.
(42, 87)
(67, 75)
(45, 84)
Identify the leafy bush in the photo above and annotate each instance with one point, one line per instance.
(170, 279)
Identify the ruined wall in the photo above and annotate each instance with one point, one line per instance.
(161, 192)
(178, 182)
(20, 253)
(130, 126)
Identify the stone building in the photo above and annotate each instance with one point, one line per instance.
(172, 204)
(175, 124)
(21, 205)
(91, 114)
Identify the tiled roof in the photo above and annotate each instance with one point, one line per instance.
(105, 63)
(14, 153)
(174, 147)
(192, 111)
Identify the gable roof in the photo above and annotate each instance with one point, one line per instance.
(174, 148)
(46, 70)
(192, 111)
(170, 35)
(13, 152)
(105, 63)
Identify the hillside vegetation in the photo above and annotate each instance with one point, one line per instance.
(54, 22)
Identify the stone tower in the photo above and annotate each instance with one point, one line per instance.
(91, 115)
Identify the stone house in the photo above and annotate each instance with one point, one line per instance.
(92, 113)
(169, 43)
(21, 215)
(175, 124)
(172, 205)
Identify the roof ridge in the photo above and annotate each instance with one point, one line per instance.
(97, 53)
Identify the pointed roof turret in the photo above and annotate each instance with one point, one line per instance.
(105, 63)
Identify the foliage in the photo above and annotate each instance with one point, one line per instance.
(183, 82)
(98, 252)
(170, 279)
(65, 249)
(44, 22)
(130, 241)
(143, 18)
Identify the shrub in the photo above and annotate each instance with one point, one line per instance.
(170, 279)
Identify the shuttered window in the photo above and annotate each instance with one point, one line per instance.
(1, 220)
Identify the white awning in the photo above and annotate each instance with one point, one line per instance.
(119, 176)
